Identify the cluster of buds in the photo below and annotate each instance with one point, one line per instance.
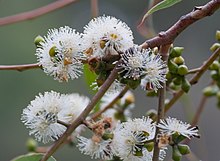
(177, 70)
(214, 88)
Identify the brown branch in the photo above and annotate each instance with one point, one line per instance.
(195, 78)
(119, 96)
(160, 111)
(83, 115)
(94, 8)
(20, 68)
(35, 13)
(167, 37)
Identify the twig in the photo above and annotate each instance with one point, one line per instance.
(20, 68)
(83, 115)
(35, 13)
(94, 8)
(192, 71)
(119, 96)
(195, 78)
(167, 37)
(160, 111)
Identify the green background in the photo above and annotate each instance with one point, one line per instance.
(17, 89)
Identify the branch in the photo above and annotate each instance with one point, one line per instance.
(119, 96)
(35, 13)
(84, 114)
(20, 68)
(195, 78)
(164, 51)
(167, 37)
(94, 8)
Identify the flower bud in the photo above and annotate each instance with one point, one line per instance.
(37, 40)
(214, 47)
(176, 51)
(178, 60)
(152, 113)
(210, 91)
(217, 35)
(177, 80)
(174, 86)
(215, 75)
(173, 67)
(176, 155)
(129, 99)
(31, 145)
(215, 65)
(185, 85)
(183, 149)
(182, 70)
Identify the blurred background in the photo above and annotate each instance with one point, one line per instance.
(17, 89)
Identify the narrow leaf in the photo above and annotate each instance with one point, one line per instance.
(32, 157)
(162, 5)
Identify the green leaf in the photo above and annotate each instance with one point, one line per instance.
(162, 5)
(32, 157)
(90, 76)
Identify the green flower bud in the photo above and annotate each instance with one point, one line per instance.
(169, 76)
(152, 113)
(107, 136)
(183, 149)
(176, 155)
(37, 40)
(173, 67)
(178, 60)
(31, 145)
(215, 65)
(217, 35)
(185, 85)
(149, 146)
(182, 70)
(214, 47)
(174, 86)
(210, 91)
(52, 51)
(215, 75)
(178, 80)
(176, 51)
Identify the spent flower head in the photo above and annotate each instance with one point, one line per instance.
(106, 34)
(171, 126)
(60, 54)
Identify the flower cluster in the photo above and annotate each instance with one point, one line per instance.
(46, 114)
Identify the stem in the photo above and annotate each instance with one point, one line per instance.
(84, 114)
(94, 8)
(168, 36)
(160, 112)
(63, 123)
(195, 78)
(192, 71)
(119, 96)
(20, 68)
(35, 13)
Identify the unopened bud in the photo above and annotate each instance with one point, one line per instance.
(215, 75)
(177, 80)
(173, 67)
(176, 51)
(215, 65)
(178, 60)
(183, 149)
(210, 91)
(31, 145)
(214, 47)
(185, 85)
(217, 35)
(182, 70)
(176, 156)
(38, 40)
(152, 113)
(149, 146)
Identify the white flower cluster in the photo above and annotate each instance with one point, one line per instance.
(131, 139)
(44, 114)
(63, 51)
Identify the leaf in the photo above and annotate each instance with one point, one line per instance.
(32, 157)
(90, 76)
(162, 5)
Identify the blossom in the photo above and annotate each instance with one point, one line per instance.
(142, 64)
(130, 137)
(60, 54)
(96, 149)
(104, 34)
(41, 117)
(172, 125)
